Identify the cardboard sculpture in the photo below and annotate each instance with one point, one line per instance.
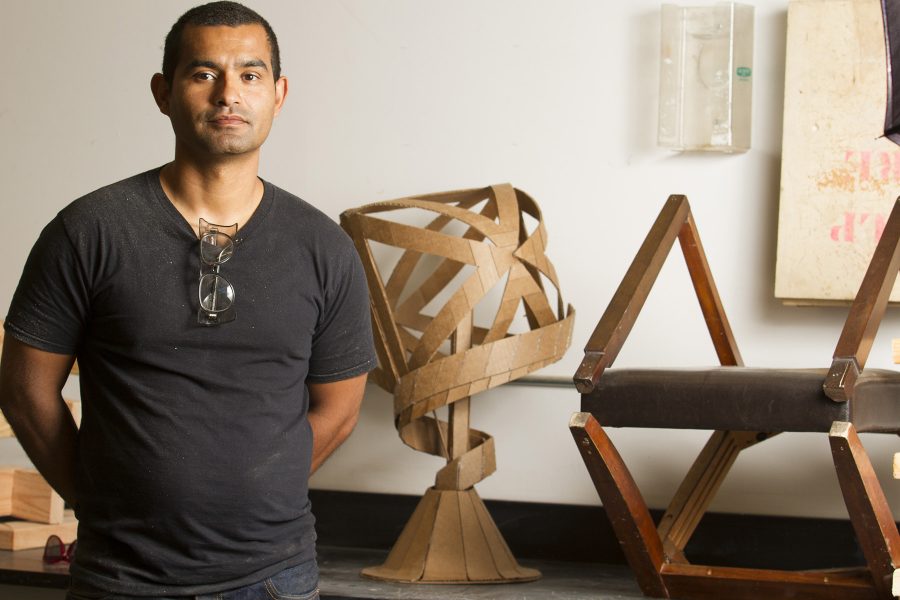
(429, 361)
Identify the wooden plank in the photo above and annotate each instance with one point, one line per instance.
(699, 487)
(708, 295)
(618, 319)
(33, 499)
(24, 494)
(700, 582)
(873, 523)
(6, 490)
(866, 312)
(623, 502)
(20, 535)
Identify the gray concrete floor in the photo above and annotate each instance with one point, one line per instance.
(339, 579)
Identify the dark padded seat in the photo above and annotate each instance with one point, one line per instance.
(742, 399)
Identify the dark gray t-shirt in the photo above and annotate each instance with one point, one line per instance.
(194, 445)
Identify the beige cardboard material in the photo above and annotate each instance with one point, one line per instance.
(431, 358)
(839, 174)
(451, 538)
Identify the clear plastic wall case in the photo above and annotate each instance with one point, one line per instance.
(706, 77)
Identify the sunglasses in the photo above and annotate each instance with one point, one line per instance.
(57, 551)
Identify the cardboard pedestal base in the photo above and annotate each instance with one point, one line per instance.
(451, 538)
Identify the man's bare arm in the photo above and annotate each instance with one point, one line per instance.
(333, 412)
(31, 383)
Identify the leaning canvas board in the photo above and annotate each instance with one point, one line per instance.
(839, 176)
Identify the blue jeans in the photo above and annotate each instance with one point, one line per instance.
(294, 583)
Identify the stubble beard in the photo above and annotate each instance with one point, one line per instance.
(226, 143)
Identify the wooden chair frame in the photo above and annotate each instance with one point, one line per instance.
(655, 553)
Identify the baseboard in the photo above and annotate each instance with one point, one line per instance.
(582, 533)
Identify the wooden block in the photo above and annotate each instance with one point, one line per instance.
(6, 487)
(21, 535)
(895, 585)
(24, 494)
(33, 499)
(75, 409)
(5, 429)
(897, 465)
(895, 350)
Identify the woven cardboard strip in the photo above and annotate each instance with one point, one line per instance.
(495, 247)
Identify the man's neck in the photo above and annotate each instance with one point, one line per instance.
(222, 192)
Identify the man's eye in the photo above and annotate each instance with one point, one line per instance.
(251, 76)
(204, 76)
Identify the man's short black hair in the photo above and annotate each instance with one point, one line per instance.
(231, 14)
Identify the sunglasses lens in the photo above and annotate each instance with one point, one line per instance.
(54, 549)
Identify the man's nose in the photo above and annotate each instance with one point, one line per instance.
(228, 92)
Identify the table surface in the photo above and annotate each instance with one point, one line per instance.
(26, 567)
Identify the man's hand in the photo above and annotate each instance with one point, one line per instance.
(333, 412)
(31, 383)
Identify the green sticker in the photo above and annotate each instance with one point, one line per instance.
(743, 71)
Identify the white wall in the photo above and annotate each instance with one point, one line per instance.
(397, 97)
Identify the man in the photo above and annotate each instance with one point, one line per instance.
(219, 364)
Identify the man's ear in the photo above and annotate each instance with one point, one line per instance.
(160, 89)
(281, 90)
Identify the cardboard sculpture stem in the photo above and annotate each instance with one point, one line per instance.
(432, 361)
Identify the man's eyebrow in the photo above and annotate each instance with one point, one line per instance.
(250, 62)
(255, 62)
(202, 63)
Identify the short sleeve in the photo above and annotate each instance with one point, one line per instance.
(342, 344)
(49, 307)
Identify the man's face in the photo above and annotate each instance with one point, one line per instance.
(223, 96)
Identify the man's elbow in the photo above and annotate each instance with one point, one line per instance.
(348, 424)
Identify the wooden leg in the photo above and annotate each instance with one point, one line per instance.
(700, 486)
(870, 514)
(623, 503)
